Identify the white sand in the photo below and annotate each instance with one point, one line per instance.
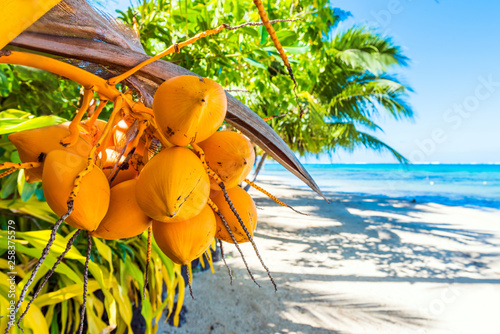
(358, 265)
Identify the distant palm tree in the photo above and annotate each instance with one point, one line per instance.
(354, 88)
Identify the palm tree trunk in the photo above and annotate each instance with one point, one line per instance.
(259, 167)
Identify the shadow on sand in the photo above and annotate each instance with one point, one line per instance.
(393, 238)
(368, 229)
(373, 234)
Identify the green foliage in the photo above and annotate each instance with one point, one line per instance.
(115, 288)
(37, 92)
(343, 77)
(14, 120)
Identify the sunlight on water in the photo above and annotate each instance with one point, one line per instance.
(468, 185)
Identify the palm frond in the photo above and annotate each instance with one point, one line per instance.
(348, 137)
(366, 96)
(360, 47)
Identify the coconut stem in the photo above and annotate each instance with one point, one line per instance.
(271, 196)
(208, 254)
(90, 122)
(119, 104)
(13, 166)
(45, 252)
(84, 78)
(265, 119)
(175, 48)
(201, 155)
(224, 259)
(90, 160)
(249, 236)
(142, 127)
(133, 137)
(277, 44)
(228, 229)
(85, 282)
(188, 274)
(260, 23)
(148, 259)
(117, 166)
(59, 259)
(123, 165)
(8, 172)
(74, 133)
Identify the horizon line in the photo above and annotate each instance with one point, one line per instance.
(392, 163)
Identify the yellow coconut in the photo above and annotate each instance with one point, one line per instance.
(186, 240)
(124, 219)
(33, 145)
(189, 109)
(90, 206)
(246, 209)
(173, 185)
(230, 155)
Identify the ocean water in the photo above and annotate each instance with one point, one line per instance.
(460, 185)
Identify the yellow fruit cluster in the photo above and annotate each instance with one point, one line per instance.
(176, 190)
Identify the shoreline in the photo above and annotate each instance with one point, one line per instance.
(420, 199)
(457, 185)
(448, 199)
(362, 264)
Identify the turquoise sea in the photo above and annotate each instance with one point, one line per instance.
(460, 185)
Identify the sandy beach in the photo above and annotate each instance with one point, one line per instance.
(358, 265)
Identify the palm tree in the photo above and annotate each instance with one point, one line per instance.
(344, 99)
(352, 90)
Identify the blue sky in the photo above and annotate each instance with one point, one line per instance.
(454, 71)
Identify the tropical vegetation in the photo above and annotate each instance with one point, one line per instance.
(345, 77)
(345, 80)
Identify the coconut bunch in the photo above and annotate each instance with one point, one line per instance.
(187, 190)
(190, 190)
(175, 190)
(170, 172)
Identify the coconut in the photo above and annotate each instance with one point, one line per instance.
(246, 209)
(173, 185)
(189, 109)
(124, 218)
(230, 155)
(186, 240)
(92, 202)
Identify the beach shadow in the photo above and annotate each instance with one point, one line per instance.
(389, 236)
(337, 310)
(299, 310)
(369, 229)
